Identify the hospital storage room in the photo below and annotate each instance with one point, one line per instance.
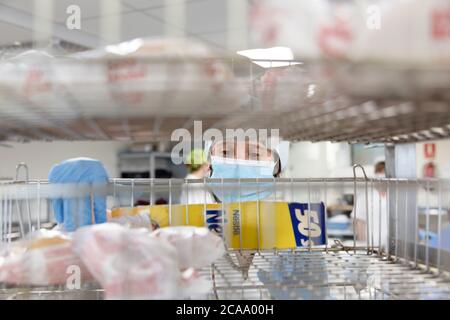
(246, 150)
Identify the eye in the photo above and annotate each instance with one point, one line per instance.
(255, 156)
(226, 153)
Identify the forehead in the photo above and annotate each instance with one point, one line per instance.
(238, 144)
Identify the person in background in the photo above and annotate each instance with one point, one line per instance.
(377, 212)
(199, 168)
(380, 169)
(378, 218)
(229, 160)
(234, 159)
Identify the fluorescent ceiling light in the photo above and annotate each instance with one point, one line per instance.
(125, 48)
(265, 57)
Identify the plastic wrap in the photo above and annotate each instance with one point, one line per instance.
(305, 87)
(45, 258)
(196, 247)
(28, 79)
(146, 74)
(127, 263)
(140, 220)
(193, 285)
(131, 264)
(411, 31)
(29, 73)
(142, 77)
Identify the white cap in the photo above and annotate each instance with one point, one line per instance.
(283, 151)
(380, 159)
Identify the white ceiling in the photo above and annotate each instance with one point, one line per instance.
(205, 20)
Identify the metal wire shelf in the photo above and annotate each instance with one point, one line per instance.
(408, 268)
(292, 275)
(339, 275)
(316, 100)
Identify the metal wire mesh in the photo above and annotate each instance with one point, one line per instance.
(408, 260)
(143, 99)
(318, 276)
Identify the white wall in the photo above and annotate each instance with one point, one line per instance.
(326, 159)
(318, 160)
(41, 156)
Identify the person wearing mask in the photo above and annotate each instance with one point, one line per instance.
(234, 159)
(228, 160)
(199, 168)
(253, 160)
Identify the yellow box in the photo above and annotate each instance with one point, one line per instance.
(246, 225)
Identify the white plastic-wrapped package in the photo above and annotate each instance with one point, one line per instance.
(412, 31)
(303, 85)
(29, 73)
(84, 85)
(129, 263)
(140, 220)
(193, 285)
(140, 76)
(290, 23)
(46, 258)
(29, 79)
(196, 247)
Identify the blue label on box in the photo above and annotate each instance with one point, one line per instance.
(302, 229)
(214, 221)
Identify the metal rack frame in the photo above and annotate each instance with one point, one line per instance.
(360, 270)
(338, 110)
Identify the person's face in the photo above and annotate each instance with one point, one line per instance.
(242, 150)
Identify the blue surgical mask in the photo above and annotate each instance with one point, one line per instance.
(224, 168)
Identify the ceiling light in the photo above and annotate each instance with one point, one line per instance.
(125, 48)
(270, 57)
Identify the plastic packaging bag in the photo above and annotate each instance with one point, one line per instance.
(140, 220)
(196, 247)
(305, 86)
(129, 263)
(145, 74)
(45, 258)
(193, 285)
(29, 78)
(28, 74)
(408, 31)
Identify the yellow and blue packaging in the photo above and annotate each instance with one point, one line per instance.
(246, 225)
